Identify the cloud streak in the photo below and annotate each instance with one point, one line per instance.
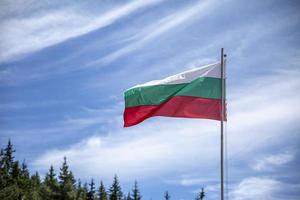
(37, 31)
(186, 15)
(268, 163)
(264, 188)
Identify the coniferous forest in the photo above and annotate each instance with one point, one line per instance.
(16, 183)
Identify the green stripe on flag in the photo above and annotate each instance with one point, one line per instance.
(205, 87)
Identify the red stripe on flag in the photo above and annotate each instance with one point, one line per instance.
(177, 106)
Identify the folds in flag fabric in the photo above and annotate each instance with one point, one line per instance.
(191, 94)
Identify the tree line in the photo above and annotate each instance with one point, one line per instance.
(16, 183)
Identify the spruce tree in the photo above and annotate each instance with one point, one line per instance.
(201, 195)
(15, 179)
(115, 191)
(24, 182)
(128, 196)
(15, 172)
(50, 186)
(1, 158)
(35, 187)
(9, 174)
(136, 192)
(92, 192)
(66, 182)
(8, 157)
(102, 194)
(82, 192)
(50, 178)
(78, 189)
(167, 196)
(7, 162)
(125, 197)
(24, 170)
(2, 171)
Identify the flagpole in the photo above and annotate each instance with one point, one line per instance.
(222, 121)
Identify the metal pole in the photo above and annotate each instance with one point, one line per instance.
(222, 125)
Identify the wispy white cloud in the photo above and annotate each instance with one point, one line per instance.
(191, 181)
(156, 142)
(18, 105)
(186, 15)
(42, 29)
(66, 126)
(261, 188)
(251, 34)
(268, 163)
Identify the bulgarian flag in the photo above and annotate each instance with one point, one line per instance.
(196, 93)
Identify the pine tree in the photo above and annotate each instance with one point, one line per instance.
(66, 182)
(2, 171)
(50, 187)
(78, 189)
(167, 196)
(35, 187)
(16, 178)
(102, 194)
(136, 192)
(128, 196)
(50, 177)
(201, 195)
(10, 174)
(15, 172)
(24, 182)
(92, 192)
(8, 157)
(24, 170)
(7, 161)
(82, 192)
(115, 191)
(1, 158)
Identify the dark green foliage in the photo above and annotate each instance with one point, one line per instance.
(82, 192)
(50, 178)
(136, 192)
(35, 187)
(10, 173)
(128, 196)
(6, 165)
(24, 170)
(102, 194)
(50, 188)
(66, 182)
(2, 171)
(167, 196)
(8, 157)
(10, 192)
(15, 172)
(92, 193)
(200, 195)
(24, 181)
(115, 191)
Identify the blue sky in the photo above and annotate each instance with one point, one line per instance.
(64, 66)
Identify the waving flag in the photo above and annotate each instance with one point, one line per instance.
(192, 94)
